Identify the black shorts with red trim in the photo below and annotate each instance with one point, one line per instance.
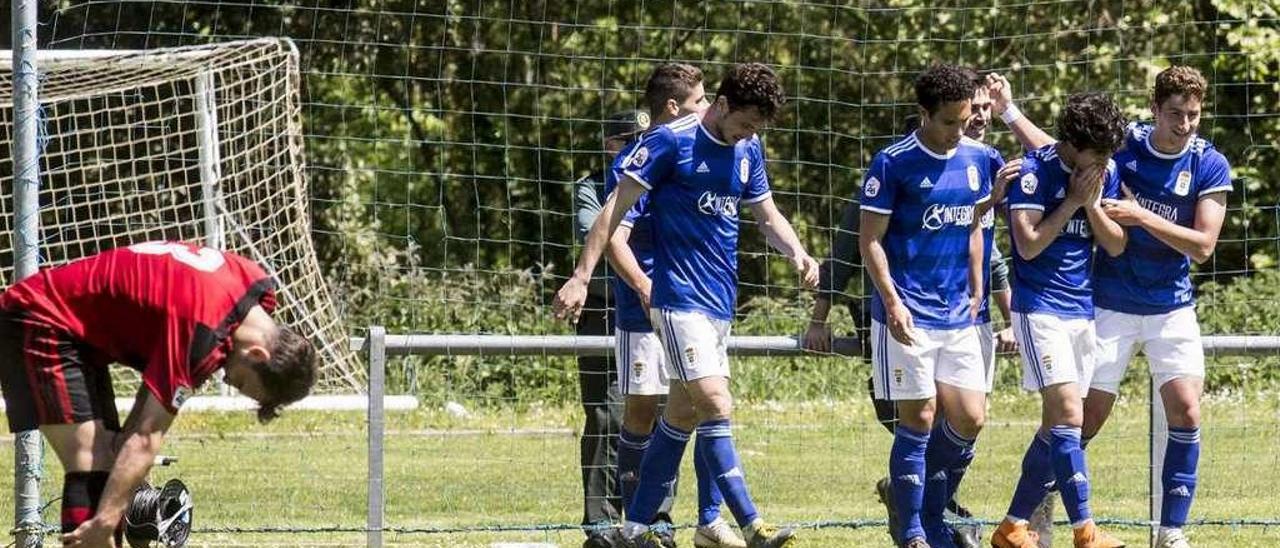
(50, 378)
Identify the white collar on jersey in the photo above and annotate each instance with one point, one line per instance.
(1152, 149)
(713, 138)
(945, 156)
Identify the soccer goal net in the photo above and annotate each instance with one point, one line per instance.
(200, 144)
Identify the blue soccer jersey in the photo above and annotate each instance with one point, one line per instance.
(1055, 282)
(1151, 277)
(696, 184)
(930, 200)
(628, 311)
(988, 249)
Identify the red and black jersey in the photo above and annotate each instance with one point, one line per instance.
(165, 309)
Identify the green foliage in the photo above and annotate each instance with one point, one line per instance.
(443, 136)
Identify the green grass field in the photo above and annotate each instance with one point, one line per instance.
(806, 463)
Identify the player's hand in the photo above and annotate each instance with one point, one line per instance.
(1001, 93)
(901, 326)
(1006, 343)
(570, 300)
(91, 534)
(975, 307)
(1085, 188)
(1125, 211)
(817, 338)
(808, 268)
(1006, 175)
(645, 292)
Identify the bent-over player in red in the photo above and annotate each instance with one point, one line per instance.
(174, 312)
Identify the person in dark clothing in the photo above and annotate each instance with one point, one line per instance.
(597, 376)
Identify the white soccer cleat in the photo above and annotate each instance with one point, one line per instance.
(1172, 538)
(717, 534)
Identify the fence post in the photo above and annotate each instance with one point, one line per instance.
(377, 345)
(28, 447)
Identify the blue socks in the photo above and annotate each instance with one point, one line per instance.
(715, 446)
(709, 496)
(907, 475)
(1036, 480)
(658, 471)
(1181, 458)
(631, 448)
(946, 459)
(1070, 471)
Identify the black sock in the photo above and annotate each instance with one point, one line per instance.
(81, 492)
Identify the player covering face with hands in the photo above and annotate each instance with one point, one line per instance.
(697, 171)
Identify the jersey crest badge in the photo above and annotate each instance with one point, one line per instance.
(180, 396)
(691, 357)
(1183, 186)
(974, 183)
(744, 169)
(872, 188)
(640, 156)
(1029, 183)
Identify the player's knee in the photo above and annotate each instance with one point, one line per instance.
(917, 416)
(968, 424)
(716, 407)
(1185, 415)
(684, 419)
(1070, 413)
(640, 413)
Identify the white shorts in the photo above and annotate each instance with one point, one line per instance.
(1171, 342)
(641, 363)
(1054, 350)
(696, 345)
(987, 338)
(949, 356)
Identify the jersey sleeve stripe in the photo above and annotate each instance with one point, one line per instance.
(1036, 207)
(875, 209)
(626, 223)
(758, 199)
(638, 179)
(1216, 189)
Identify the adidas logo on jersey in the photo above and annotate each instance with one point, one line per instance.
(940, 475)
(1180, 491)
(912, 479)
(926, 183)
(702, 168)
(1132, 165)
(1062, 193)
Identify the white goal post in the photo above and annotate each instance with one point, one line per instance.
(197, 143)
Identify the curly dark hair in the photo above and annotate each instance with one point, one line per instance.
(1179, 80)
(670, 81)
(1092, 121)
(944, 83)
(289, 375)
(749, 85)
